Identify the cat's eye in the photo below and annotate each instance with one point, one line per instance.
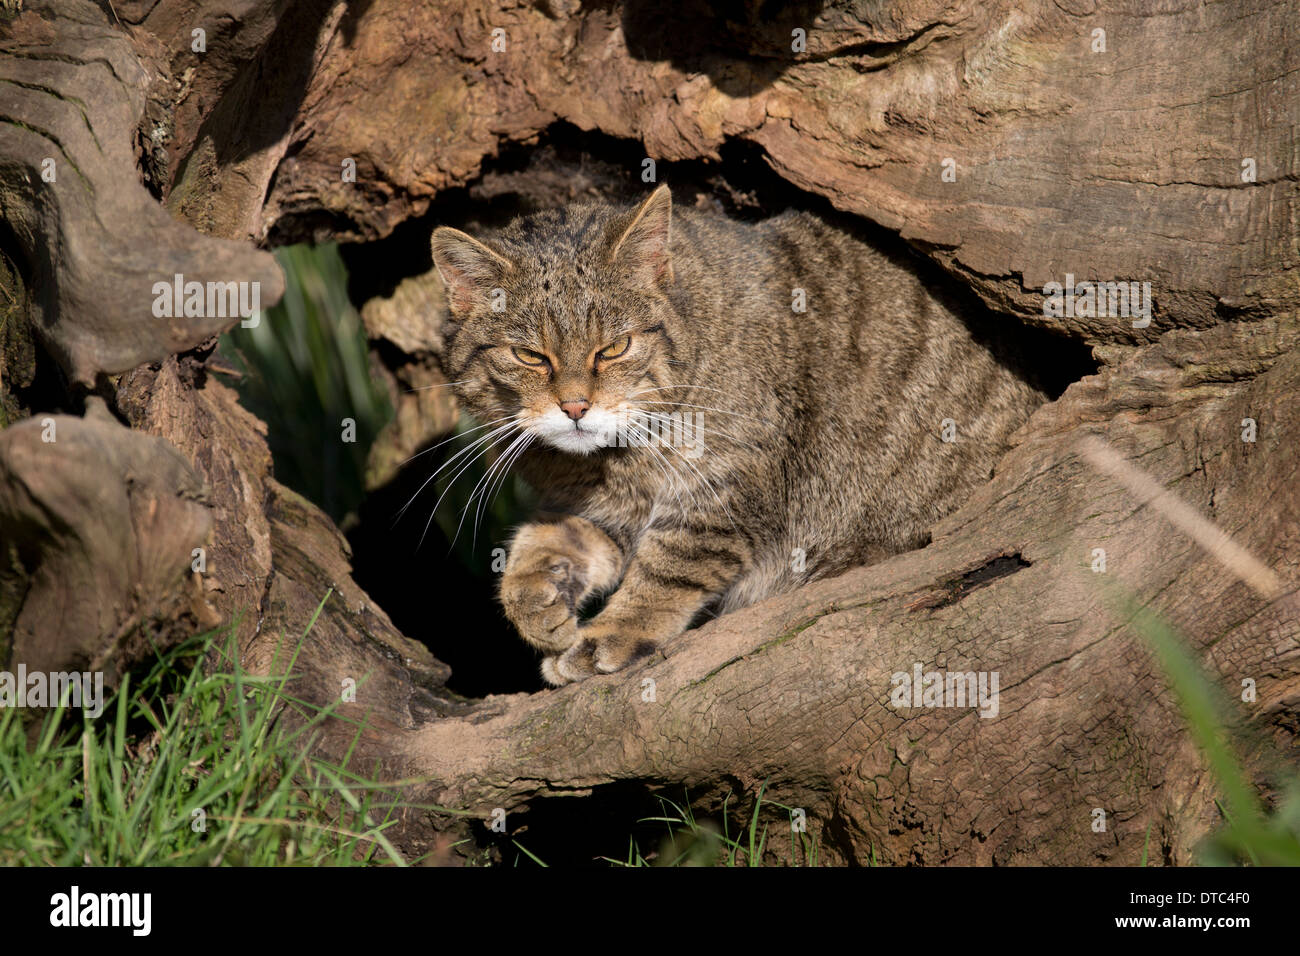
(615, 348)
(529, 357)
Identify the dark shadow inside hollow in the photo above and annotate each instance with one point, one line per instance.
(743, 45)
(32, 379)
(435, 595)
(648, 823)
(449, 602)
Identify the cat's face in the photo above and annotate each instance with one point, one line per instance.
(573, 336)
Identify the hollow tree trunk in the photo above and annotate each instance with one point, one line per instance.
(1013, 143)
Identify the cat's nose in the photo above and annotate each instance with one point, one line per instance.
(575, 408)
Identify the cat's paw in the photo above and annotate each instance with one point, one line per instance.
(542, 605)
(551, 671)
(594, 655)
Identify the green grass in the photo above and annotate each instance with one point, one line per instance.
(184, 744)
(194, 732)
(1249, 835)
(307, 368)
(690, 842)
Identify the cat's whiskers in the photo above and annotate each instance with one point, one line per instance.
(473, 450)
(482, 452)
(689, 465)
(468, 431)
(480, 487)
(676, 484)
(519, 449)
(674, 480)
(468, 448)
(421, 388)
(662, 418)
(501, 481)
(666, 424)
(707, 484)
(661, 388)
(709, 408)
(509, 457)
(486, 482)
(833, 424)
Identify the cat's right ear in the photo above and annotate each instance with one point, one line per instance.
(468, 268)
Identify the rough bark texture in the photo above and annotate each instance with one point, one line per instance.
(796, 691)
(1066, 160)
(1122, 164)
(91, 509)
(92, 238)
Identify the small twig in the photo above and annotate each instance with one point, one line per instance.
(1217, 543)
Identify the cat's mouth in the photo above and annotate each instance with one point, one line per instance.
(597, 429)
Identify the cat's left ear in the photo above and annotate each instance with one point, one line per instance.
(642, 248)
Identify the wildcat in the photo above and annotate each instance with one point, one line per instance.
(825, 438)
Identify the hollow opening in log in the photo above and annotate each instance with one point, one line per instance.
(29, 377)
(417, 565)
(660, 824)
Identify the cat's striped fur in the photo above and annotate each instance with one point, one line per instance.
(822, 430)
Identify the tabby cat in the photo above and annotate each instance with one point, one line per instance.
(712, 411)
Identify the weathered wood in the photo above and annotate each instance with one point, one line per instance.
(796, 692)
(92, 241)
(1118, 165)
(89, 247)
(1066, 160)
(98, 526)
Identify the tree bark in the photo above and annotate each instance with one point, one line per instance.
(1159, 151)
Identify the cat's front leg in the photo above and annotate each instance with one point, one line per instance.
(555, 564)
(673, 574)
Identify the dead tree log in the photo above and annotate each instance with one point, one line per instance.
(797, 691)
(81, 135)
(1014, 144)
